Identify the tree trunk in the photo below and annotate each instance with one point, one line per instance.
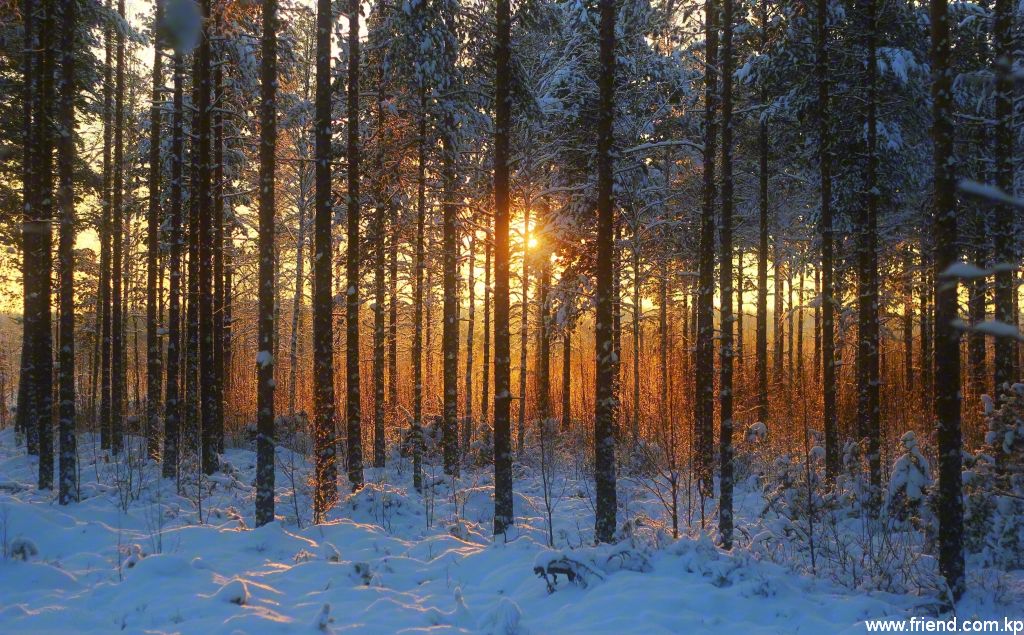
(467, 422)
(395, 236)
(566, 376)
(154, 346)
(265, 436)
(218, 241)
(503, 505)
(326, 471)
(420, 265)
(105, 238)
(867, 268)
(1005, 288)
(544, 344)
(352, 400)
(172, 409)
(636, 337)
(725, 400)
(762, 236)
(605, 397)
(524, 330)
(947, 336)
(450, 332)
(117, 366)
(908, 320)
(39, 253)
(300, 274)
(704, 411)
(379, 223)
(207, 378)
(485, 380)
(68, 482)
(825, 219)
(26, 391)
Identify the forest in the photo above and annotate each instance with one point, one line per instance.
(707, 310)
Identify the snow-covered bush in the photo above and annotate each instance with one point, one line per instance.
(909, 482)
(994, 486)
(22, 549)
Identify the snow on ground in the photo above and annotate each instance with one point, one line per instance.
(375, 567)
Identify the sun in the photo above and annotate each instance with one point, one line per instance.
(531, 243)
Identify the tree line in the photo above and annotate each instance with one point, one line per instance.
(636, 157)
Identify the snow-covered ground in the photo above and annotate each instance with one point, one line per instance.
(377, 565)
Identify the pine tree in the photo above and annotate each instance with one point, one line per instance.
(172, 405)
(725, 523)
(1003, 227)
(117, 356)
(867, 263)
(947, 336)
(761, 343)
(38, 248)
(68, 481)
(705, 364)
(265, 435)
(450, 263)
(326, 474)
(352, 402)
(106, 431)
(605, 399)
(828, 304)
(503, 504)
(379, 261)
(207, 376)
(154, 348)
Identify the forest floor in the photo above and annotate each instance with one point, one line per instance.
(135, 556)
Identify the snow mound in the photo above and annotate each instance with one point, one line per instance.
(236, 591)
(505, 619)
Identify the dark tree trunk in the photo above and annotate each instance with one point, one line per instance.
(725, 400)
(825, 219)
(637, 326)
(450, 333)
(544, 344)
(503, 506)
(39, 250)
(605, 397)
(976, 287)
(105, 239)
(326, 475)
(68, 482)
(420, 265)
(467, 422)
(908, 320)
(395, 236)
(566, 376)
(154, 345)
(379, 254)
(207, 376)
(1005, 289)
(485, 380)
(740, 279)
(300, 276)
(947, 336)
(867, 267)
(30, 204)
(265, 436)
(926, 291)
(524, 330)
(172, 407)
(704, 409)
(817, 326)
(352, 400)
(117, 362)
(218, 241)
